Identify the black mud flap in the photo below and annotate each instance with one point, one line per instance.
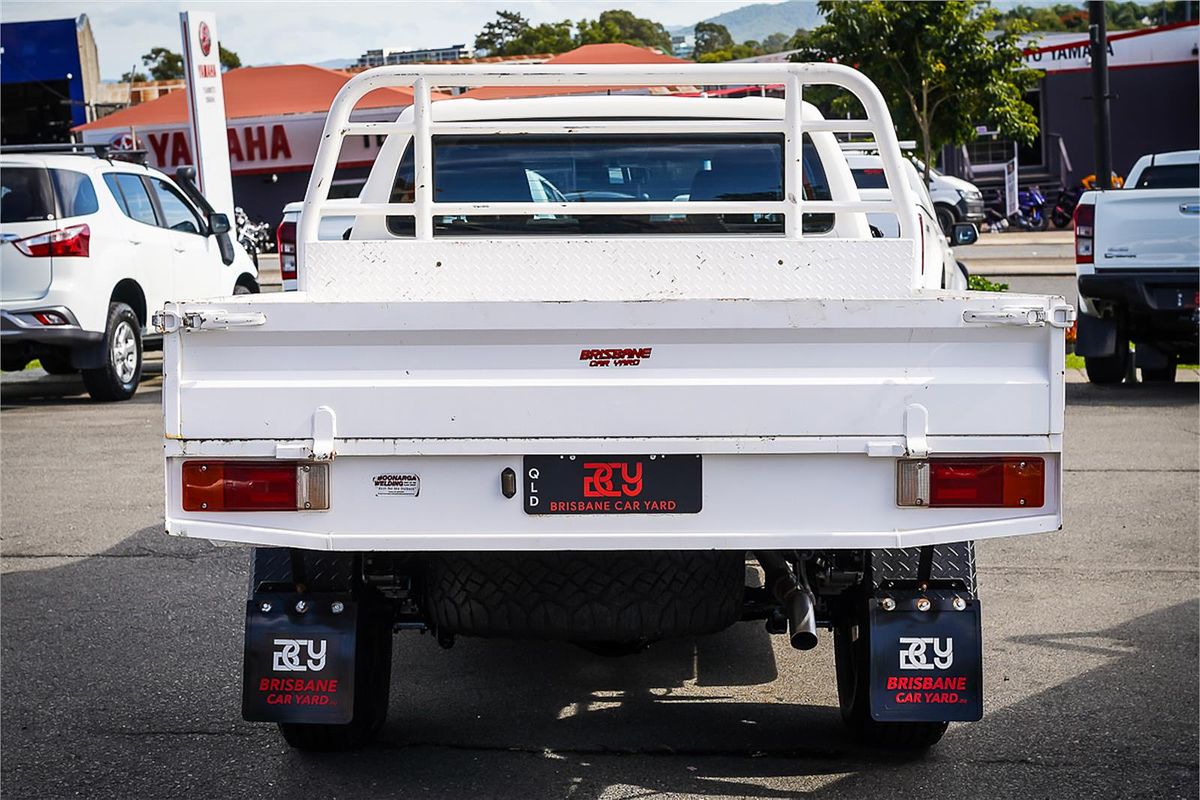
(299, 666)
(926, 666)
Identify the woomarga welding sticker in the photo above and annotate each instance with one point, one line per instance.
(397, 484)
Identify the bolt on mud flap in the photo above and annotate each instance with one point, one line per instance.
(926, 666)
(299, 665)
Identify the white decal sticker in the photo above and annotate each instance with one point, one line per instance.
(914, 656)
(397, 485)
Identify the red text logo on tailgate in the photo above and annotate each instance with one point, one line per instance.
(603, 479)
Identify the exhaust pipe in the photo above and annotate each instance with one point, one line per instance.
(799, 606)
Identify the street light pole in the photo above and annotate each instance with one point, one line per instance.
(1101, 120)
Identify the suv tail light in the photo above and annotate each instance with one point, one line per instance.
(72, 241)
(1008, 482)
(255, 486)
(1085, 233)
(285, 242)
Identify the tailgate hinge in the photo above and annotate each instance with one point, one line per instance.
(215, 320)
(1058, 316)
(916, 427)
(324, 430)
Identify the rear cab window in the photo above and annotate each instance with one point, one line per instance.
(36, 193)
(1170, 176)
(610, 169)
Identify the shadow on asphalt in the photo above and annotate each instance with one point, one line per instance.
(40, 389)
(122, 678)
(1132, 395)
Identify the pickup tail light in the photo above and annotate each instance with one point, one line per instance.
(1085, 233)
(285, 242)
(73, 242)
(255, 486)
(1007, 482)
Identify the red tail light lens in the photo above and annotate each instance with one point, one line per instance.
(73, 242)
(255, 486)
(1085, 233)
(285, 241)
(1009, 482)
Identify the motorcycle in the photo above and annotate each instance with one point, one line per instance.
(1031, 209)
(1064, 209)
(255, 237)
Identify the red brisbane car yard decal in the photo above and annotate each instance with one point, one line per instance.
(298, 691)
(928, 690)
(615, 356)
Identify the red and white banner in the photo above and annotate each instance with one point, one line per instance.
(1168, 44)
(255, 145)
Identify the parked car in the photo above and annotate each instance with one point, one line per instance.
(90, 247)
(1137, 259)
(954, 199)
(936, 249)
(487, 415)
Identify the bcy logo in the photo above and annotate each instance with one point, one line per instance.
(601, 482)
(914, 657)
(287, 658)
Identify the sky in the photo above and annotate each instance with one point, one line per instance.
(300, 31)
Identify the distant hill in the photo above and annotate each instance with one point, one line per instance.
(762, 19)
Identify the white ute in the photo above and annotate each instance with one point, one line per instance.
(579, 362)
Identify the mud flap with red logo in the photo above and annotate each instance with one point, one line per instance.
(299, 666)
(926, 666)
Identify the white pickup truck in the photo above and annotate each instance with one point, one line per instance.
(579, 363)
(1137, 256)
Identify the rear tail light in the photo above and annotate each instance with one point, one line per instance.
(1085, 233)
(50, 318)
(255, 486)
(285, 241)
(72, 241)
(1009, 482)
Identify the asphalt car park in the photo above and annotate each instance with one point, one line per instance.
(121, 652)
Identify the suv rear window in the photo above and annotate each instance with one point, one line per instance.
(608, 169)
(1170, 176)
(28, 194)
(869, 178)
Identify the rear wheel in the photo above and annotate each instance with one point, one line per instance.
(853, 666)
(337, 572)
(1165, 374)
(118, 378)
(1109, 369)
(372, 684)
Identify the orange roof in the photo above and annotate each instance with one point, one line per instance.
(257, 92)
(614, 53)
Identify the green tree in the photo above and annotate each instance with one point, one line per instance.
(743, 50)
(510, 34)
(942, 68)
(618, 25)
(500, 33)
(229, 59)
(164, 64)
(134, 75)
(774, 43)
(711, 37)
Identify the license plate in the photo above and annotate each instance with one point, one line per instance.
(299, 667)
(613, 484)
(926, 666)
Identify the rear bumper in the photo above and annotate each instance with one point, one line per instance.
(771, 499)
(1160, 302)
(21, 328)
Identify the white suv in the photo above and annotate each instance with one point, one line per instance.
(90, 247)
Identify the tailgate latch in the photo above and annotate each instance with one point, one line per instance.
(216, 320)
(1059, 316)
